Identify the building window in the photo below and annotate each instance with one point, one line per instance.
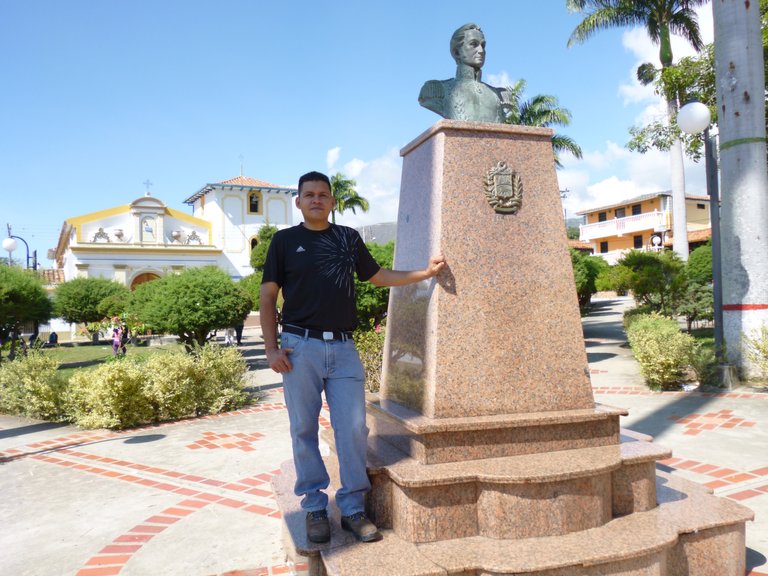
(621, 212)
(638, 240)
(603, 246)
(637, 209)
(601, 217)
(254, 203)
(701, 206)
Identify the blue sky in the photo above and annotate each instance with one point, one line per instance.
(100, 96)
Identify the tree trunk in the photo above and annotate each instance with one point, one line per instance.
(677, 176)
(740, 86)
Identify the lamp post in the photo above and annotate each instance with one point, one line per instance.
(695, 118)
(10, 245)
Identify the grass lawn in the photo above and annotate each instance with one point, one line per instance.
(91, 352)
(94, 354)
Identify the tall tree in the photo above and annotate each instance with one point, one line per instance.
(22, 299)
(660, 18)
(259, 252)
(347, 198)
(542, 110)
(192, 304)
(78, 300)
(740, 81)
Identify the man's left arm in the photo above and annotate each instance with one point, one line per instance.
(387, 277)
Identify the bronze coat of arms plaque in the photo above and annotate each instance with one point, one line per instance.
(504, 189)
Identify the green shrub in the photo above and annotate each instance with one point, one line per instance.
(171, 384)
(110, 395)
(756, 347)
(219, 385)
(616, 278)
(252, 285)
(370, 346)
(661, 349)
(31, 387)
(704, 364)
(633, 313)
(131, 391)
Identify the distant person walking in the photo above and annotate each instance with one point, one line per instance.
(117, 337)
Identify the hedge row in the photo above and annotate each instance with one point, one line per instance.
(128, 391)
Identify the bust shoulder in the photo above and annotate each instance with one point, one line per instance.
(432, 95)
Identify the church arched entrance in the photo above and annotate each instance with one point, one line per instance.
(141, 278)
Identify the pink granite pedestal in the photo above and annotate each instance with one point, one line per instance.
(487, 453)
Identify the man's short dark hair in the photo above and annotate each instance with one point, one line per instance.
(314, 177)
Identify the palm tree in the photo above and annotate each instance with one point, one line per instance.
(743, 175)
(347, 198)
(542, 110)
(660, 18)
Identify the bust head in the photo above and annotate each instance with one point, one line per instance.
(468, 46)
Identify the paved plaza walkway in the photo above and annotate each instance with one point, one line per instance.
(194, 498)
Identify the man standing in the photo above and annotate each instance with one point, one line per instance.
(314, 264)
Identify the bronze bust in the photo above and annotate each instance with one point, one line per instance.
(465, 97)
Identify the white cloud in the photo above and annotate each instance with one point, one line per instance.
(354, 167)
(501, 80)
(331, 157)
(637, 42)
(378, 181)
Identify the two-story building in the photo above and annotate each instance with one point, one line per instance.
(640, 223)
(146, 239)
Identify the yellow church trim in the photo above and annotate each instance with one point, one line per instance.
(186, 250)
(193, 220)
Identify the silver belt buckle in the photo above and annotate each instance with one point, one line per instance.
(327, 335)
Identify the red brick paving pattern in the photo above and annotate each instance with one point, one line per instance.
(111, 559)
(695, 423)
(215, 440)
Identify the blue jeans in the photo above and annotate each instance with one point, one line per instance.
(333, 366)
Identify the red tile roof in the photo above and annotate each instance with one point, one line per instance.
(248, 181)
(51, 276)
(242, 182)
(578, 245)
(694, 236)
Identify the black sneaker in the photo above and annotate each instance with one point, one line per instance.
(363, 529)
(318, 527)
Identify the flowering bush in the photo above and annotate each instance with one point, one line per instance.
(131, 391)
(661, 349)
(30, 386)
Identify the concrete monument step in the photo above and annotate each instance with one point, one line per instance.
(691, 533)
(436, 440)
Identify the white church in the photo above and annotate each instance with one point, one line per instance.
(146, 239)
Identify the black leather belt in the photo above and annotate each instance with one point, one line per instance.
(317, 334)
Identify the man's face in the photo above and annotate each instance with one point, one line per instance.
(315, 201)
(472, 50)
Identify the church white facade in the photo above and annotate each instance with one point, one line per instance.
(146, 239)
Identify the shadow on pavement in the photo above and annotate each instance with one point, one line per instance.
(144, 439)
(30, 429)
(661, 419)
(755, 559)
(599, 356)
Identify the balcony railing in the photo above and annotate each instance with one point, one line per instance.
(655, 221)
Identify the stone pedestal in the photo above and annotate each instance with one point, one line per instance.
(487, 453)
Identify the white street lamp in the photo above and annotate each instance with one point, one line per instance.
(695, 118)
(9, 245)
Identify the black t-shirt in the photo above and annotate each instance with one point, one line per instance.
(316, 272)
